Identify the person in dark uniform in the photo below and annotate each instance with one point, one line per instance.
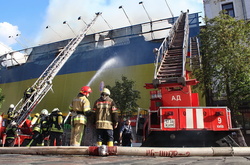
(126, 134)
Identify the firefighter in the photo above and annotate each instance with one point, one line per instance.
(40, 126)
(11, 132)
(79, 108)
(10, 129)
(27, 94)
(56, 127)
(10, 113)
(105, 118)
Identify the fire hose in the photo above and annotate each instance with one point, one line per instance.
(129, 151)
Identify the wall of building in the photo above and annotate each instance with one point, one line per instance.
(247, 5)
(241, 8)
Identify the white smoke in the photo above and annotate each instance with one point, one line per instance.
(7, 36)
(69, 11)
(59, 11)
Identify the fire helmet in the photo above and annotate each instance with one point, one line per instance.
(106, 91)
(12, 105)
(55, 109)
(44, 112)
(85, 90)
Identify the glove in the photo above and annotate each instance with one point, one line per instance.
(73, 113)
(115, 125)
(88, 113)
(59, 127)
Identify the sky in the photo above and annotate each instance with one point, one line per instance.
(23, 22)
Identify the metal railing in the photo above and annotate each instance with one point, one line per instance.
(185, 45)
(198, 55)
(163, 49)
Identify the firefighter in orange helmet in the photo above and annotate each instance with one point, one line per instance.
(79, 108)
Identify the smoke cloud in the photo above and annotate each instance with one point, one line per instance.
(58, 11)
(64, 10)
(7, 36)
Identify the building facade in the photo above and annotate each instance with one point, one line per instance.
(240, 9)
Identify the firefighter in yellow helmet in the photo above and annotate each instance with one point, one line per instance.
(79, 108)
(105, 117)
(40, 127)
(56, 127)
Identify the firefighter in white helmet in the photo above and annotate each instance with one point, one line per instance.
(56, 127)
(40, 126)
(10, 130)
(10, 113)
(79, 108)
(105, 117)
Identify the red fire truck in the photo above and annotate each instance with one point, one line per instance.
(175, 117)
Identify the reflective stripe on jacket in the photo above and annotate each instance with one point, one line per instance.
(80, 119)
(105, 113)
(80, 104)
(41, 124)
(56, 121)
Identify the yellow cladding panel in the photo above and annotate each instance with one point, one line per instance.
(65, 87)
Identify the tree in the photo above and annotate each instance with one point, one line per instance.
(225, 53)
(1, 98)
(125, 96)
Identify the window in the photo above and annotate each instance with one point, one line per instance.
(229, 7)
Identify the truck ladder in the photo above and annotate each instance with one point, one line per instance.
(44, 83)
(171, 56)
(195, 58)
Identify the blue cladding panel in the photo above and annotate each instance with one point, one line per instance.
(136, 52)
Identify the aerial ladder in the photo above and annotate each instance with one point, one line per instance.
(44, 83)
(195, 57)
(170, 63)
(175, 117)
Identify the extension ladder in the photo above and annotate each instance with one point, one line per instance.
(44, 83)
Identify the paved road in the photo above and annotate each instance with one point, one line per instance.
(18, 159)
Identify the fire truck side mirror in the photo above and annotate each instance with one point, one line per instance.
(140, 125)
(156, 82)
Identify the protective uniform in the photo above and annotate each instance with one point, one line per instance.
(56, 127)
(10, 113)
(27, 94)
(40, 128)
(105, 118)
(10, 138)
(79, 108)
(10, 130)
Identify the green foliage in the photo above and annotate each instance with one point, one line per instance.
(1, 97)
(125, 96)
(225, 60)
